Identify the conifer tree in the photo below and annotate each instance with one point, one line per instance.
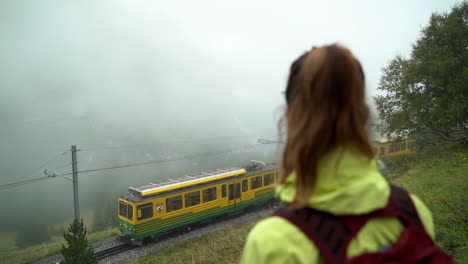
(78, 250)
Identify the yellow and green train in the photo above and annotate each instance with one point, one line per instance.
(394, 147)
(159, 208)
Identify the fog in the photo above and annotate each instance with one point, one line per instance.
(133, 81)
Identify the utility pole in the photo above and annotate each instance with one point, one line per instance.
(75, 183)
(76, 200)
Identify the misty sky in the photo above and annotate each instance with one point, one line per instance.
(113, 73)
(108, 72)
(169, 60)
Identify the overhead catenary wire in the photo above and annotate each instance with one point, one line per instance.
(200, 155)
(63, 166)
(170, 159)
(43, 165)
(88, 148)
(15, 184)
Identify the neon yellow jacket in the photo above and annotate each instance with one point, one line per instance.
(348, 184)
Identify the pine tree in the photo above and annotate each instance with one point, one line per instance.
(78, 250)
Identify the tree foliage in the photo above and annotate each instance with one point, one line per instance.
(78, 250)
(426, 95)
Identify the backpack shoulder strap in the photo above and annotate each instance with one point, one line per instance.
(401, 201)
(332, 234)
(328, 232)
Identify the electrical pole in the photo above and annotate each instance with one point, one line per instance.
(76, 201)
(75, 183)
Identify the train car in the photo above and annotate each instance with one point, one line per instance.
(394, 147)
(155, 209)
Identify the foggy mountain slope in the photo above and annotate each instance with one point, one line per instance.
(96, 75)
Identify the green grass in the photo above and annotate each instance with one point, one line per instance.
(438, 175)
(30, 254)
(7, 242)
(440, 179)
(217, 247)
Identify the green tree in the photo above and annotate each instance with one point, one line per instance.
(426, 95)
(78, 250)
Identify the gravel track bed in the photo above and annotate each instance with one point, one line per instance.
(139, 252)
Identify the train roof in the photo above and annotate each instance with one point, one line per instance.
(396, 140)
(185, 181)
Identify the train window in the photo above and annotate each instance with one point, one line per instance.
(403, 146)
(130, 212)
(192, 198)
(173, 203)
(268, 179)
(391, 149)
(245, 185)
(256, 182)
(382, 151)
(123, 209)
(146, 211)
(397, 147)
(209, 194)
(223, 191)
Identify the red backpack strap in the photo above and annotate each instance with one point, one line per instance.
(414, 244)
(332, 234)
(403, 204)
(329, 233)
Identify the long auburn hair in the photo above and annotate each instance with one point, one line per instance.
(325, 109)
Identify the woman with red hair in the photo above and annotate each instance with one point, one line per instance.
(339, 206)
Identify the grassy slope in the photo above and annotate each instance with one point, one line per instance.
(33, 253)
(217, 247)
(439, 176)
(440, 179)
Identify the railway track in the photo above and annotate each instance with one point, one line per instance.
(162, 243)
(113, 251)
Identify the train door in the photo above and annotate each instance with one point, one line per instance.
(234, 192)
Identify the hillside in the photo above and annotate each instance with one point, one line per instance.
(437, 174)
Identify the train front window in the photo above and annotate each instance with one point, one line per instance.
(123, 209)
(130, 212)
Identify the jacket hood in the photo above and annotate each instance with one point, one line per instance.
(347, 183)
